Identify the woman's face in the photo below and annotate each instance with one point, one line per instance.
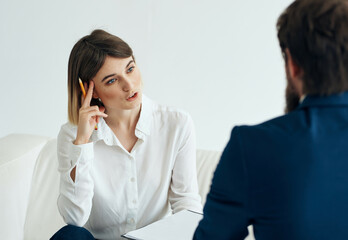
(118, 84)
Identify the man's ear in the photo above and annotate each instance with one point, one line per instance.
(295, 72)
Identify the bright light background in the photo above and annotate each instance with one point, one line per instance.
(218, 60)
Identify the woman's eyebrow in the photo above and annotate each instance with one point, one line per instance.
(129, 63)
(114, 74)
(110, 75)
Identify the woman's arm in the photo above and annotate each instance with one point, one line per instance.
(75, 197)
(75, 155)
(183, 192)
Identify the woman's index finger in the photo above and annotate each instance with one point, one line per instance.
(89, 94)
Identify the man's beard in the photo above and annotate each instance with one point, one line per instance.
(292, 98)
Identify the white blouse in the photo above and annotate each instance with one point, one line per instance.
(116, 191)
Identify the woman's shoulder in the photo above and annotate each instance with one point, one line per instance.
(171, 111)
(171, 114)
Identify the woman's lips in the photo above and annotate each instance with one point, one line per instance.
(132, 97)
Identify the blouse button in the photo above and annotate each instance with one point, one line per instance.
(132, 179)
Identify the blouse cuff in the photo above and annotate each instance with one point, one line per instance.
(82, 153)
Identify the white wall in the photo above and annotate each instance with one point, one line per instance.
(219, 60)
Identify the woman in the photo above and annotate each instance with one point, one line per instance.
(138, 166)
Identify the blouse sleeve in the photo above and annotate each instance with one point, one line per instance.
(183, 192)
(75, 198)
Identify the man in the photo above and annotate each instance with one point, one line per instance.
(288, 177)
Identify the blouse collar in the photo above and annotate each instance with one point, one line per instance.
(142, 129)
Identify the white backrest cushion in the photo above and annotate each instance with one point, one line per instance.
(43, 218)
(206, 164)
(18, 154)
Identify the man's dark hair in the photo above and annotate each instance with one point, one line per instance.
(316, 34)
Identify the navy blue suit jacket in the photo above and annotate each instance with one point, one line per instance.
(288, 177)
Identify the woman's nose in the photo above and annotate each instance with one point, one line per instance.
(127, 84)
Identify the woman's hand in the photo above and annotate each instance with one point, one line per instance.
(88, 117)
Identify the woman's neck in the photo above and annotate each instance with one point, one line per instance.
(124, 119)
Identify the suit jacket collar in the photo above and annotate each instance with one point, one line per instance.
(340, 99)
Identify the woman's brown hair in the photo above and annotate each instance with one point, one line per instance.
(86, 58)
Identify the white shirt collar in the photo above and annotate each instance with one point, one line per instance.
(142, 128)
(145, 119)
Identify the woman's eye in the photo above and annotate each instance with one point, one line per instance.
(111, 81)
(130, 69)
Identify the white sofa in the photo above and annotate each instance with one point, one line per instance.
(29, 184)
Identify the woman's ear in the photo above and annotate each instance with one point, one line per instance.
(95, 95)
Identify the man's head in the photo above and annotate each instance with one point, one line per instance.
(313, 36)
